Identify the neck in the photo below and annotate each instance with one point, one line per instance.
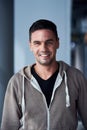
(46, 71)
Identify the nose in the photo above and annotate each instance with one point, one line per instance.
(43, 46)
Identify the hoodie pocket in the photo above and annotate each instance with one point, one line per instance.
(68, 121)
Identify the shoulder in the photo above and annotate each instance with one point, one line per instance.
(71, 71)
(15, 78)
(76, 77)
(22, 73)
(76, 73)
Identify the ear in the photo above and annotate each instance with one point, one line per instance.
(30, 46)
(57, 43)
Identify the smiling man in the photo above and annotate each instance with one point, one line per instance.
(44, 45)
(49, 94)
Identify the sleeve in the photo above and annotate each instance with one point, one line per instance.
(11, 110)
(82, 100)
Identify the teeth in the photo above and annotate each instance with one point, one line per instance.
(44, 55)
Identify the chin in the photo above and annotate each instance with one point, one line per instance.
(46, 63)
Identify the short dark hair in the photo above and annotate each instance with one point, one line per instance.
(43, 24)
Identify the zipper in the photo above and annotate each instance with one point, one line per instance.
(48, 112)
(48, 119)
(36, 85)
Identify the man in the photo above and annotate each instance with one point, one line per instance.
(48, 94)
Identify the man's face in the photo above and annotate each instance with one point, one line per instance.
(44, 45)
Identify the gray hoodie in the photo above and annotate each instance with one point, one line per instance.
(25, 106)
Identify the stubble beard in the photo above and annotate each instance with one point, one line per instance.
(46, 63)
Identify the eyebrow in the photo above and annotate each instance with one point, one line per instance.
(45, 41)
(49, 40)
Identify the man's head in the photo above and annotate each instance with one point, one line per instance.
(44, 42)
(43, 24)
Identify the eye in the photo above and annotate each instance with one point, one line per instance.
(36, 43)
(49, 42)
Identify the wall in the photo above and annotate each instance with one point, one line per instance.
(28, 11)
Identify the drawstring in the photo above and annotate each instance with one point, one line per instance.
(23, 105)
(23, 100)
(67, 91)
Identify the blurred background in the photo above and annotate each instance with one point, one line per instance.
(16, 17)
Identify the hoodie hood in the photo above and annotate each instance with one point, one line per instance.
(26, 71)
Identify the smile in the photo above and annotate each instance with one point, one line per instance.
(45, 55)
